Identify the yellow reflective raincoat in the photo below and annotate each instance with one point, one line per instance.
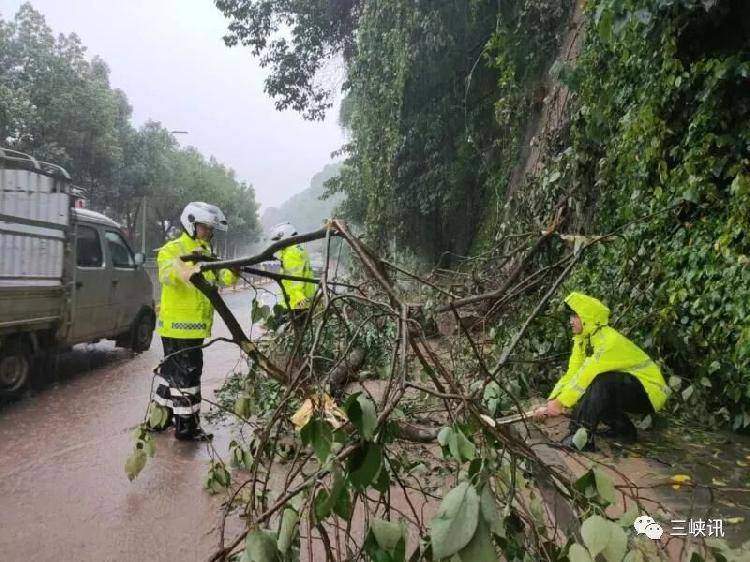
(600, 348)
(185, 312)
(295, 261)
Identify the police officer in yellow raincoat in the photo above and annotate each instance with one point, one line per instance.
(185, 319)
(608, 376)
(295, 262)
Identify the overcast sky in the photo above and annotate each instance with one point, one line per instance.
(169, 58)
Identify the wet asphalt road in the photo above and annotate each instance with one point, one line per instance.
(63, 490)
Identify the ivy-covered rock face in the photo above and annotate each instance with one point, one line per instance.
(421, 93)
(659, 150)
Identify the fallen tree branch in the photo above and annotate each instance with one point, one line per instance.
(268, 253)
(500, 291)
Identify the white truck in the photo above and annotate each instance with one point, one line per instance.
(67, 275)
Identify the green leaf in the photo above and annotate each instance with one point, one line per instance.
(325, 501)
(634, 556)
(222, 475)
(288, 530)
(135, 463)
(156, 415)
(604, 486)
(260, 546)
(480, 547)
(461, 448)
(218, 478)
(343, 505)
(617, 545)
(322, 505)
(318, 433)
(586, 484)
(383, 480)
(365, 464)
(577, 553)
(580, 438)
(691, 195)
(488, 509)
(444, 436)
(258, 313)
(387, 533)
(456, 521)
(688, 392)
(606, 23)
(149, 447)
(595, 532)
(626, 519)
(360, 410)
(240, 457)
(243, 406)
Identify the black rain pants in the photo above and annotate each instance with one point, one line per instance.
(608, 399)
(179, 386)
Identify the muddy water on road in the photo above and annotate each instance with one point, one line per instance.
(64, 494)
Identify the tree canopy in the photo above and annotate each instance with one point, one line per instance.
(58, 105)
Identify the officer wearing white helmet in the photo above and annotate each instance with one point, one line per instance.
(185, 318)
(295, 261)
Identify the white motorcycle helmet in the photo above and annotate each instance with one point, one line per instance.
(283, 230)
(199, 212)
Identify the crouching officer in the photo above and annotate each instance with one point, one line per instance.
(295, 262)
(608, 376)
(185, 318)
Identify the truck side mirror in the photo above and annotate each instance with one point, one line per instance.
(139, 259)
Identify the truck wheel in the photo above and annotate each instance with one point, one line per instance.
(15, 368)
(142, 332)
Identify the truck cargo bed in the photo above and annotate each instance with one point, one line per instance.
(35, 204)
(33, 307)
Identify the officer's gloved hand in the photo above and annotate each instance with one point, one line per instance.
(189, 271)
(185, 270)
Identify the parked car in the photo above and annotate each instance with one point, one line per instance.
(67, 275)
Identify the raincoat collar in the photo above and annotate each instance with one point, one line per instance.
(188, 241)
(593, 313)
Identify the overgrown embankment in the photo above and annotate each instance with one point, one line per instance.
(656, 150)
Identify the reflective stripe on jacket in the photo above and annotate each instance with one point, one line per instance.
(295, 261)
(185, 312)
(600, 348)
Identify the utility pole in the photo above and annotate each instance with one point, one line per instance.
(143, 227)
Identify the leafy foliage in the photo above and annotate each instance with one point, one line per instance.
(419, 107)
(59, 106)
(318, 31)
(661, 131)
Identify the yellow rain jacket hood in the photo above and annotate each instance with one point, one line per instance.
(600, 348)
(185, 312)
(296, 262)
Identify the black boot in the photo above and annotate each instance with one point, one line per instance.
(620, 429)
(200, 435)
(188, 429)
